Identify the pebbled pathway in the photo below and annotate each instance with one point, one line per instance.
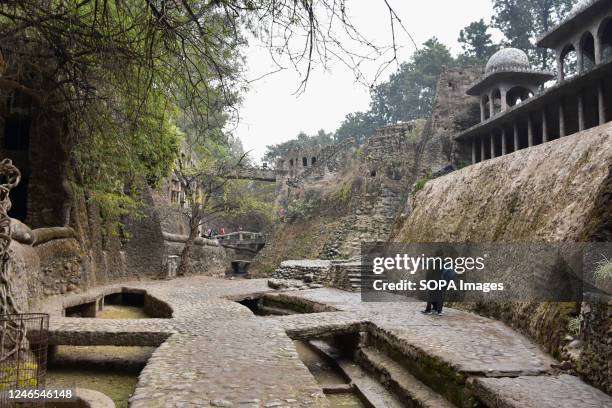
(215, 352)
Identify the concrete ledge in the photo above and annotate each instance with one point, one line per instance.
(539, 391)
(107, 338)
(42, 235)
(153, 306)
(183, 238)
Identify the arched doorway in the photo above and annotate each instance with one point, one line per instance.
(569, 61)
(587, 49)
(517, 95)
(605, 37)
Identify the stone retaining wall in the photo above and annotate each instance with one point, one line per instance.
(335, 274)
(206, 260)
(557, 191)
(312, 270)
(596, 333)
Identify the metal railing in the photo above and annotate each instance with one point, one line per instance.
(23, 354)
(241, 236)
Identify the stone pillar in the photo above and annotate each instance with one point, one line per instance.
(492, 145)
(529, 131)
(491, 105)
(598, 49)
(482, 149)
(561, 120)
(579, 59)
(580, 112)
(474, 151)
(601, 103)
(544, 126)
(504, 103)
(482, 110)
(516, 137)
(504, 143)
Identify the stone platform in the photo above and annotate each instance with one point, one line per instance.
(215, 352)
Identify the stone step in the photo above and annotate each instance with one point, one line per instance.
(372, 391)
(399, 380)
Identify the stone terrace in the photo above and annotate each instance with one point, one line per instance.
(215, 352)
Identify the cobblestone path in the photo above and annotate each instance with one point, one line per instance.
(215, 352)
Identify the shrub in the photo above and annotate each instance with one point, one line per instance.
(418, 186)
(603, 272)
(416, 133)
(573, 326)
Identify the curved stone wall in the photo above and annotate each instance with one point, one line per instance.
(558, 191)
(552, 192)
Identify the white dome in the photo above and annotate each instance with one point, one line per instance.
(508, 59)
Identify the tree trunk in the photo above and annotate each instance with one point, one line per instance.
(184, 267)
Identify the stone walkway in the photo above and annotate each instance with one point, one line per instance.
(215, 352)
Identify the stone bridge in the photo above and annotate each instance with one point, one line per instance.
(243, 241)
(255, 173)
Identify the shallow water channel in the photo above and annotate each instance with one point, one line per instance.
(111, 370)
(327, 375)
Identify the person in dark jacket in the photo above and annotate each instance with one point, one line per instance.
(433, 274)
(435, 302)
(447, 276)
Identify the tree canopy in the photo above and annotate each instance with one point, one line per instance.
(301, 141)
(476, 43)
(124, 75)
(523, 21)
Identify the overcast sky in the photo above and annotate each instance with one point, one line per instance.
(271, 112)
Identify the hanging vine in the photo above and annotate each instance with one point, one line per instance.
(9, 179)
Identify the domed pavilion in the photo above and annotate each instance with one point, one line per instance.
(508, 80)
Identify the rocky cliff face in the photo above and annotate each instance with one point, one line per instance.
(558, 191)
(373, 182)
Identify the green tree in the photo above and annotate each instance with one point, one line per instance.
(119, 70)
(523, 21)
(476, 43)
(409, 93)
(358, 126)
(301, 141)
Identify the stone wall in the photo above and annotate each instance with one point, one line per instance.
(343, 275)
(206, 259)
(311, 270)
(596, 351)
(453, 112)
(62, 268)
(558, 191)
(145, 250)
(374, 180)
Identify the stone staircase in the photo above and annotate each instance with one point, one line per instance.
(372, 221)
(400, 381)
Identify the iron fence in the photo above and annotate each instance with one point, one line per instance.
(23, 355)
